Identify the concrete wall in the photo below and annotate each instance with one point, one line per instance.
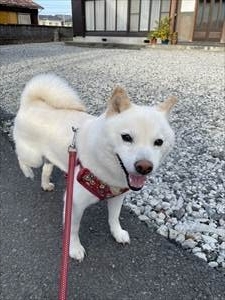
(15, 34)
(185, 22)
(223, 34)
(185, 26)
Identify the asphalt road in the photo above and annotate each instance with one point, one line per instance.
(151, 267)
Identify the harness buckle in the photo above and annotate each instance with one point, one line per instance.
(72, 146)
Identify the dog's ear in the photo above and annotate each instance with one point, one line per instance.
(167, 105)
(118, 102)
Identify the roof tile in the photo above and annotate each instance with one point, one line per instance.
(20, 3)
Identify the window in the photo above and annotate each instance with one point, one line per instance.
(134, 15)
(124, 15)
(110, 15)
(24, 19)
(89, 14)
(122, 6)
(144, 17)
(99, 14)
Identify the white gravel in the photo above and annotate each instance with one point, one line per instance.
(185, 199)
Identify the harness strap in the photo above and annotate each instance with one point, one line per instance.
(95, 186)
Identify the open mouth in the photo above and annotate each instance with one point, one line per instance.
(134, 181)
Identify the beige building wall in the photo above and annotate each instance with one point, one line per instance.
(223, 34)
(186, 20)
(8, 17)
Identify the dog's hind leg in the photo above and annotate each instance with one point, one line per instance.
(45, 177)
(27, 171)
(28, 158)
(114, 208)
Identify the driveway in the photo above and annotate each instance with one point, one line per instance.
(183, 198)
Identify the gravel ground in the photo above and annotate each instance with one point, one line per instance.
(185, 199)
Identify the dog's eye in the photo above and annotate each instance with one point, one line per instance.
(158, 142)
(127, 138)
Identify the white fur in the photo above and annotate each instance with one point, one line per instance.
(49, 108)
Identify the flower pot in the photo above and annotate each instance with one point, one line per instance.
(153, 41)
(165, 42)
(174, 38)
(174, 42)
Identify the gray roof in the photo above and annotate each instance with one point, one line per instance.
(20, 3)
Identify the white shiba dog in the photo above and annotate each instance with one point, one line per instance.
(116, 150)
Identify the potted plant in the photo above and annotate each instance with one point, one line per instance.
(152, 37)
(162, 30)
(173, 38)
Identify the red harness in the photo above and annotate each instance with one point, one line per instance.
(95, 186)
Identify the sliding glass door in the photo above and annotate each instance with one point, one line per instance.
(106, 15)
(124, 15)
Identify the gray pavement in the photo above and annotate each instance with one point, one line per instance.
(151, 267)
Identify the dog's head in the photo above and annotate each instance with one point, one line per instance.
(139, 136)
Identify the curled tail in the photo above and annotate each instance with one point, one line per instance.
(52, 90)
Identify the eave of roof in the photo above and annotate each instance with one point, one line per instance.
(21, 3)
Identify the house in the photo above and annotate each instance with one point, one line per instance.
(19, 12)
(49, 20)
(57, 20)
(201, 20)
(131, 20)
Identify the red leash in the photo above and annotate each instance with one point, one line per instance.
(67, 223)
(96, 187)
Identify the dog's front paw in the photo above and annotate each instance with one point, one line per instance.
(48, 187)
(121, 236)
(77, 251)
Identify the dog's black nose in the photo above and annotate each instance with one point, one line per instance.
(143, 166)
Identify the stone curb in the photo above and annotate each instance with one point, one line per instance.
(146, 46)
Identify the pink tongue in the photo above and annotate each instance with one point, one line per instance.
(137, 180)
